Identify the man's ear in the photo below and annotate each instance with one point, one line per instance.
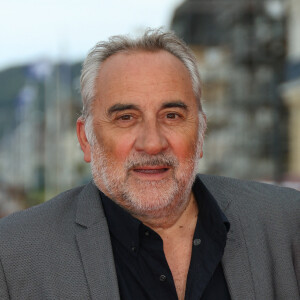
(203, 126)
(84, 143)
(201, 154)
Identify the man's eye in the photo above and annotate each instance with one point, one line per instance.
(172, 116)
(125, 118)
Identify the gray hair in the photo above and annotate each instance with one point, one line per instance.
(151, 40)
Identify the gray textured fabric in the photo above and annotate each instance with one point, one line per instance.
(58, 250)
(262, 254)
(62, 250)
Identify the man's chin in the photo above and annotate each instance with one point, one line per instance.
(146, 198)
(151, 199)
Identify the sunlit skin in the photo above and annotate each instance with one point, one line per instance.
(147, 126)
(145, 104)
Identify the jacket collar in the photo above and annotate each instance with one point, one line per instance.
(94, 245)
(236, 261)
(97, 257)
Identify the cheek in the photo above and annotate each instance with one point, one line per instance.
(184, 145)
(184, 150)
(119, 147)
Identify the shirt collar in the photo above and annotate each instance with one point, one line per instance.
(122, 225)
(210, 214)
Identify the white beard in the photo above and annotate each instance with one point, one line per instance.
(142, 197)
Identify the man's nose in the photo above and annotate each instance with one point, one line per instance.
(151, 139)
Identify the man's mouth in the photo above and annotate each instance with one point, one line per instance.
(151, 170)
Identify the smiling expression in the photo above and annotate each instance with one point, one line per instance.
(145, 121)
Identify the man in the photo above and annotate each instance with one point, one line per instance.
(147, 227)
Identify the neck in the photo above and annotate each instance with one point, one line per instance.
(177, 235)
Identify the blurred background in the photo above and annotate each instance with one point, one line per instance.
(248, 54)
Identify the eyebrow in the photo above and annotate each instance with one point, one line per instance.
(172, 104)
(120, 107)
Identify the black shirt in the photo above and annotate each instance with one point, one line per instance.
(142, 269)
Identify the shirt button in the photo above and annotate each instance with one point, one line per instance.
(197, 242)
(147, 233)
(133, 248)
(162, 278)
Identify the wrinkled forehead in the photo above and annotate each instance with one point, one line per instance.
(143, 75)
(142, 61)
(136, 70)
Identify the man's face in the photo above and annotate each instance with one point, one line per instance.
(145, 122)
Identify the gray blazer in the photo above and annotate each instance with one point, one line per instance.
(61, 249)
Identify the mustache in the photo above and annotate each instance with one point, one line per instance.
(140, 160)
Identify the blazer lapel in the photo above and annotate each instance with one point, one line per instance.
(94, 245)
(236, 264)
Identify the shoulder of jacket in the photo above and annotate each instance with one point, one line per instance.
(42, 215)
(253, 196)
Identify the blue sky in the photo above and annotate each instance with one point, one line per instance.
(32, 30)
